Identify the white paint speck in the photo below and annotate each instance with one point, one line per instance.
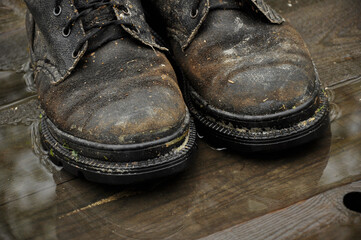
(231, 51)
(238, 24)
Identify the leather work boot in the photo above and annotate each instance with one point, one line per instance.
(249, 78)
(113, 108)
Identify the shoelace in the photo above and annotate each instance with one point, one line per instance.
(82, 12)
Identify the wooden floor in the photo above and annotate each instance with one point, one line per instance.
(295, 194)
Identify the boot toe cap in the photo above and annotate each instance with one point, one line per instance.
(263, 90)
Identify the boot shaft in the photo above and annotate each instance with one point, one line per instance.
(60, 32)
(183, 18)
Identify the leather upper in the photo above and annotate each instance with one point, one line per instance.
(242, 65)
(241, 59)
(121, 92)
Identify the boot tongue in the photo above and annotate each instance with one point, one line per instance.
(100, 15)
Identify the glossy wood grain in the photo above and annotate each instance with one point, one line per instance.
(13, 42)
(323, 216)
(223, 194)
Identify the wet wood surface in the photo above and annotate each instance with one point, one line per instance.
(323, 216)
(296, 194)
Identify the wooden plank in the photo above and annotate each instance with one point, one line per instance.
(323, 216)
(24, 169)
(13, 40)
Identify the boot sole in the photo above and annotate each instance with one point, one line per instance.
(244, 139)
(169, 162)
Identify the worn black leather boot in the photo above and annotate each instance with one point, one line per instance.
(250, 81)
(113, 109)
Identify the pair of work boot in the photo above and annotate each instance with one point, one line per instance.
(114, 111)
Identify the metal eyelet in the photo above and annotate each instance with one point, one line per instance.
(66, 32)
(125, 11)
(194, 14)
(75, 54)
(57, 11)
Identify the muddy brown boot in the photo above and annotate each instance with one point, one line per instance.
(113, 109)
(250, 81)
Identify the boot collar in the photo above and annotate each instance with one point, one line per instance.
(194, 20)
(60, 60)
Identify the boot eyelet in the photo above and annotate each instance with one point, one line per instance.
(125, 11)
(57, 11)
(66, 32)
(194, 14)
(75, 54)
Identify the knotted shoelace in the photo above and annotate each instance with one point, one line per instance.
(93, 29)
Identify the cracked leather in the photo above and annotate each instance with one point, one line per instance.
(241, 60)
(122, 92)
